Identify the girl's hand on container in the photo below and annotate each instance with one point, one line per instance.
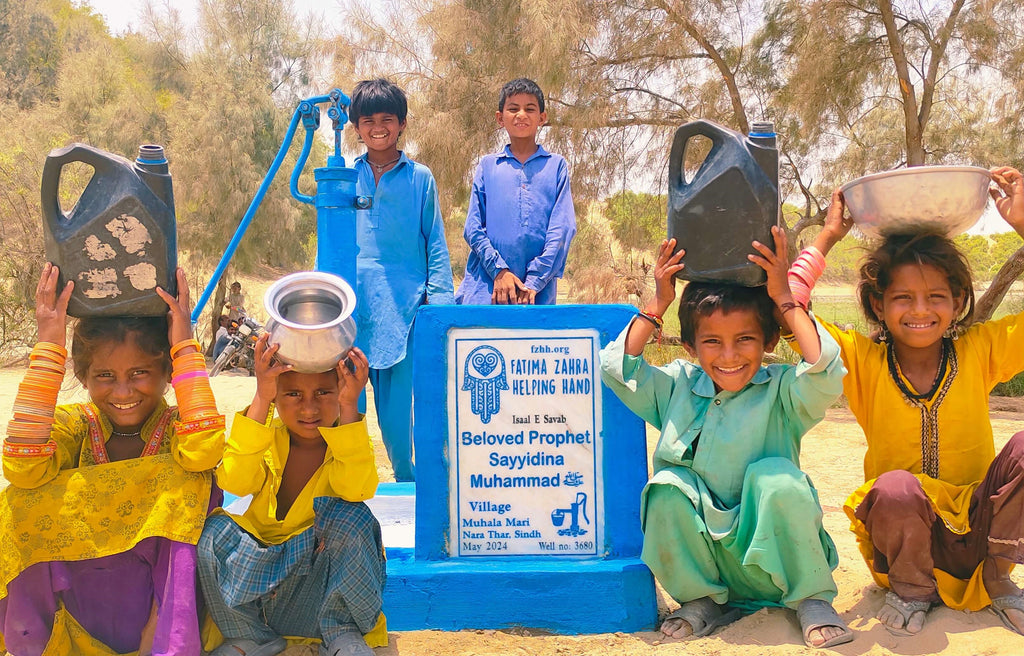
(179, 321)
(1009, 195)
(837, 222)
(666, 267)
(51, 308)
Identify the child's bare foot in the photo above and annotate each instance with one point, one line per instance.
(903, 616)
(818, 637)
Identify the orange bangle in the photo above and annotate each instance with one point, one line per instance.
(28, 430)
(52, 348)
(185, 343)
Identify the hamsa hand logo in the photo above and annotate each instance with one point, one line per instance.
(484, 378)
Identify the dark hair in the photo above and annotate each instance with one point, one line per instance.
(236, 284)
(149, 334)
(919, 248)
(701, 299)
(520, 85)
(375, 96)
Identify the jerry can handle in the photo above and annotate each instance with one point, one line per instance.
(698, 128)
(52, 167)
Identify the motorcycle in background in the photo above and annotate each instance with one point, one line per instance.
(240, 351)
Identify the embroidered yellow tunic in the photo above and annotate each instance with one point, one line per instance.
(946, 441)
(66, 507)
(195, 451)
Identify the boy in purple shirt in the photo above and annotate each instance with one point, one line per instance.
(521, 218)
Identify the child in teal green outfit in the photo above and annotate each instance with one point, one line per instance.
(728, 518)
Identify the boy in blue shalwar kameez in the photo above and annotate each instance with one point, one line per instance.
(521, 218)
(402, 261)
(728, 518)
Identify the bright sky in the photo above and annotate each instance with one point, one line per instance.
(121, 15)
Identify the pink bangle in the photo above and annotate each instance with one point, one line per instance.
(804, 274)
(188, 374)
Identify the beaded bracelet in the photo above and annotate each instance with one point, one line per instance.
(216, 422)
(17, 450)
(653, 318)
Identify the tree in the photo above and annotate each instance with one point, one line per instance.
(30, 50)
(853, 87)
(220, 105)
(244, 77)
(637, 219)
(886, 85)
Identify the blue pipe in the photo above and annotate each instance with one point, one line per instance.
(334, 199)
(307, 145)
(247, 219)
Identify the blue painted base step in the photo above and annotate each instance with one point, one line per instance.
(563, 595)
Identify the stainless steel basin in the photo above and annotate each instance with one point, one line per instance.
(946, 198)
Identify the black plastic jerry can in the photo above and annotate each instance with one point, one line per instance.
(732, 200)
(120, 240)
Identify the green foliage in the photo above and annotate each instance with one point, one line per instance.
(220, 106)
(978, 251)
(458, 249)
(1003, 246)
(30, 51)
(637, 219)
(1012, 387)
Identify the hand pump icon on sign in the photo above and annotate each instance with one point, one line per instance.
(574, 510)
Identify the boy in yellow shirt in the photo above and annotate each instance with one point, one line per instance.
(306, 558)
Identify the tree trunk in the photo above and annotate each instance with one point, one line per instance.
(216, 309)
(1008, 273)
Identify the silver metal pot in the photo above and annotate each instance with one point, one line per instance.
(311, 319)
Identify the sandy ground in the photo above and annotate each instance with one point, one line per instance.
(832, 455)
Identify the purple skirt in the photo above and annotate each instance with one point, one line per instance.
(111, 597)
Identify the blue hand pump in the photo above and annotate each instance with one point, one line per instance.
(335, 201)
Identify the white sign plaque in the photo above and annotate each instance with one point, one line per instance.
(524, 410)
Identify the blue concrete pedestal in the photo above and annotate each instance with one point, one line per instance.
(439, 576)
(595, 595)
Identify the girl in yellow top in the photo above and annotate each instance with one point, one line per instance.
(306, 558)
(940, 516)
(107, 499)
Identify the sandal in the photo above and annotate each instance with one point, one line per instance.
(1001, 604)
(704, 616)
(817, 614)
(906, 608)
(242, 647)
